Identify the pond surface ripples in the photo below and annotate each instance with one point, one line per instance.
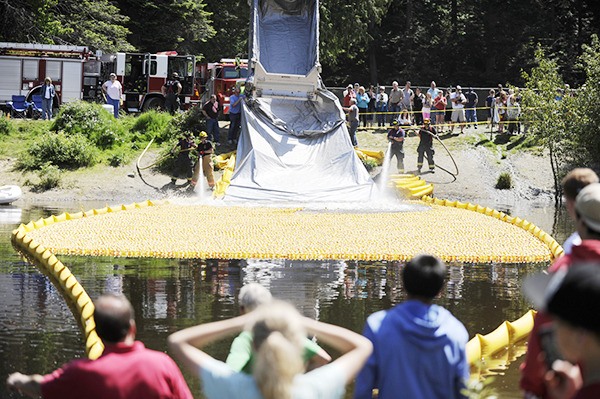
(38, 332)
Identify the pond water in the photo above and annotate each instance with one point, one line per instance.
(38, 333)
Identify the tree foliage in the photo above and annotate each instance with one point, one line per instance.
(94, 23)
(472, 43)
(586, 109)
(565, 122)
(231, 24)
(181, 25)
(478, 43)
(97, 24)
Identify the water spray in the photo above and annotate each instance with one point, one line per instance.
(385, 170)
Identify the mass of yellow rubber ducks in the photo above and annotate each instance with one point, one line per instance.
(166, 230)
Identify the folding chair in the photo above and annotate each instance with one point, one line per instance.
(36, 106)
(18, 107)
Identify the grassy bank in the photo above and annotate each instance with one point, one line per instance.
(84, 138)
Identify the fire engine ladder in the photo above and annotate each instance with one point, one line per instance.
(43, 50)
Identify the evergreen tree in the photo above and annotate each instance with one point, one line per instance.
(163, 25)
(94, 23)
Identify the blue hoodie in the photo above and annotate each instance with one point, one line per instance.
(419, 352)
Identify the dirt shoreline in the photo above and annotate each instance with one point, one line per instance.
(478, 169)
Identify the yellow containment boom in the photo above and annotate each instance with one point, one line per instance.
(507, 333)
(478, 349)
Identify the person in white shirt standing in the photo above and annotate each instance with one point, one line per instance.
(458, 100)
(381, 106)
(113, 90)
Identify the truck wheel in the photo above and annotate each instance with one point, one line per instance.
(154, 103)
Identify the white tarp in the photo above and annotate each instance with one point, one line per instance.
(292, 150)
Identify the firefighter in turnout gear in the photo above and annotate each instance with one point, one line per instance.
(396, 136)
(425, 147)
(183, 163)
(205, 151)
(171, 90)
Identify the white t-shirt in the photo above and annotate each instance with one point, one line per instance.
(113, 89)
(382, 98)
(220, 381)
(455, 95)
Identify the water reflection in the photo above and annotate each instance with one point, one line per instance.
(10, 215)
(38, 332)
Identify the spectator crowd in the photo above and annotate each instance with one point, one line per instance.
(446, 108)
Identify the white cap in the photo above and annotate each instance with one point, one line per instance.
(587, 205)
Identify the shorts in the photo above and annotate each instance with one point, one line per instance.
(458, 115)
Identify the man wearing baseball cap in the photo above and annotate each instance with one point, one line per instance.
(396, 137)
(572, 297)
(113, 90)
(587, 219)
(587, 223)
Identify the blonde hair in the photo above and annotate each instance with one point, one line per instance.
(279, 337)
(48, 80)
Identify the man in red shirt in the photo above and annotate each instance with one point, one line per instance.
(126, 369)
(572, 297)
(587, 218)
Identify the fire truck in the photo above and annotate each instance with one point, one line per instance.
(143, 75)
(78, 74)
(220, 78)
(24, 66)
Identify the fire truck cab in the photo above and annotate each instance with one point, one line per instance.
(220, 78)
(143, 75)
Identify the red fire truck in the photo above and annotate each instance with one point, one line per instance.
(23, 68)
(220, 78)
(78, 74)
(143, 75)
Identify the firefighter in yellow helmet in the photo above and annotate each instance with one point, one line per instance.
(205, 151)
(425, 147)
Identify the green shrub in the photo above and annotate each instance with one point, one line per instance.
(369, 163)
(6, 126)
(504, 181)
(166, 161)
(29, 129)
(61, 150)
(117, 159)
(49, 177)
(190, 121)
(149, 124)
(90, 120)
